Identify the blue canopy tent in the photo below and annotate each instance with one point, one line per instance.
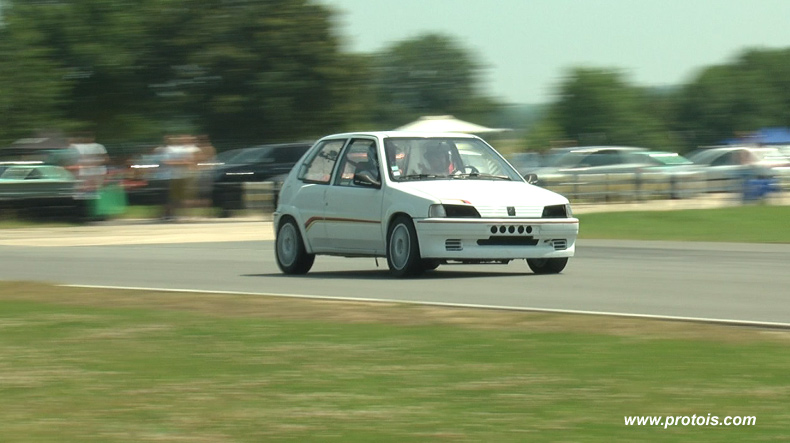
(764, 136)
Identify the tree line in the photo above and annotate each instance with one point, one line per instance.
(601, 106)
(248, 72)
(241, 71)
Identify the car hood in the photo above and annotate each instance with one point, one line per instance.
(488, 196)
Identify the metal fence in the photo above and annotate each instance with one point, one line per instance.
(647, 186)
(624, 187)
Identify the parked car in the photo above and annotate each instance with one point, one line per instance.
(592, 160)
(145, 181)
(222, 158)
(680, 174)
(255, 164)
(727, 167)
(39, 187)
(525, 162)
(420, 200)
(604, 171)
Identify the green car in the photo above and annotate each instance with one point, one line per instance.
(38, 187)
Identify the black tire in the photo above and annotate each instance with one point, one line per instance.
(429, 264)
(403, 250)
(289, 250)
(547, 265)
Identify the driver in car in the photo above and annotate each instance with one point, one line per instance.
(438, 160)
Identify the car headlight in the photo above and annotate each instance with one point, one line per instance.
(557, 211)
(453, 211)
(437, 211)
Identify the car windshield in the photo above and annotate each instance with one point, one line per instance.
(668, 158)
(433, 158)
(226, 156)
(251, 155)
(568, 160)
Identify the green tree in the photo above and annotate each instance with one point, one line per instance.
(30, 88)
(429, 74)
(267, 70)
(250, 71)
(598, 106)
(545, 134)
(727, 100)
(102, 51)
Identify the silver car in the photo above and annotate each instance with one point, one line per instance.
(727, 167)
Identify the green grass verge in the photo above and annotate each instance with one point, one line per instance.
(82, 365)
(745, 224)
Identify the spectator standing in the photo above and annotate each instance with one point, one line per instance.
(179, 160)
(89, 164)
(204, 173)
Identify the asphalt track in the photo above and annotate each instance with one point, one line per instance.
(720, 282)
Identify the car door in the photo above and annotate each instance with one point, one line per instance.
(353, 202)
(726, 171)
(315, 175)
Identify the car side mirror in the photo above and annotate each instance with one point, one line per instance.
(366, 178)
(531, 178)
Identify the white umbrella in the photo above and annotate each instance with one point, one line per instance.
(446, 123)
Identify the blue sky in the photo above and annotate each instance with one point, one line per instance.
(527, 45)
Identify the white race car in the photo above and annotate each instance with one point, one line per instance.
(420, 200)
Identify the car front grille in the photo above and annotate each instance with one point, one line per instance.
(502, 211)
(508, 240)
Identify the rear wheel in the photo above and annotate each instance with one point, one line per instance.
(403, 250)
(547, 265)
(289, 250)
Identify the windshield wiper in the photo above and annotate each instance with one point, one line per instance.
(479, 175)
(421, 176)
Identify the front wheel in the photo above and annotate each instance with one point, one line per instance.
(547, 265)
(429, 264)
(403, 250)
(289, 250)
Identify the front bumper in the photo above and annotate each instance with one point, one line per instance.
(496, 239)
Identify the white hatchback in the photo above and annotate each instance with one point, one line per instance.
(420, 200)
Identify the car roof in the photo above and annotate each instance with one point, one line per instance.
(279, 145)
(407, 134)
(585, 149)
(708, 152)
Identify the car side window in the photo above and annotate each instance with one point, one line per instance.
(34, 175)
(726, 159)
(288, 154)
(318, 167)
(602, 158)
(360, 156)
(17, 173)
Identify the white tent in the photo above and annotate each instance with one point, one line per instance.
(446, 123)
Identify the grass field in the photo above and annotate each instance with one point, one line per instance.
(82, 365)
(743, 224)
